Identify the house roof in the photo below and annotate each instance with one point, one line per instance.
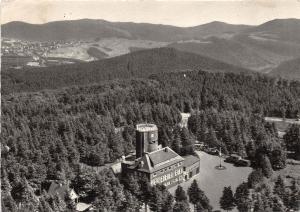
(190, 160)
(81, 206)
(162, 155)
(61, 190)
(157, 160)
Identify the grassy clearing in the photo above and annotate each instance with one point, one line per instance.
(282, 124)
(109, 47)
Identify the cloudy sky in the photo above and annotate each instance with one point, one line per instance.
(179, 13)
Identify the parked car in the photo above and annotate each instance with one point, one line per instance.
(212, 151)
(243, 162)
(233, 158)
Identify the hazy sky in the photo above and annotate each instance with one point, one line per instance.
(180, 13)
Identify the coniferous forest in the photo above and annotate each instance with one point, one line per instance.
(61, 134)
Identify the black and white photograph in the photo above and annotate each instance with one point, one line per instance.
(150, 105)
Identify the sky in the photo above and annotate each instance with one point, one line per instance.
(179, 13)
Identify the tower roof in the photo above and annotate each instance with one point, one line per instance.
(146, 127)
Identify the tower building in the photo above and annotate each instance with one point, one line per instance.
(158, 165)
(146, 139)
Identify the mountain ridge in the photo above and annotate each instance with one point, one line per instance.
(147, 31)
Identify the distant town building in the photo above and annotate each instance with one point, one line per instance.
(158, 165)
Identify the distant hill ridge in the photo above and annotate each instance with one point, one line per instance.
(92, 29)
(137, 64)
(261, 48)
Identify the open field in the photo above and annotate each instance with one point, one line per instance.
(109, 47)
(212, 181)
(282, 124)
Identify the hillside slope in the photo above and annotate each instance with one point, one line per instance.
(260, 48)
(136, 64)
(278, 29)
(289, 69)
(95, 29)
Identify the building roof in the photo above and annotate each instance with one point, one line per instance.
(116, 168)
(61, 190)
(81, 206)
(190, 160)
(157, 160)
(185, 115)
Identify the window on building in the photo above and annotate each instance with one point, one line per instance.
(197, 170)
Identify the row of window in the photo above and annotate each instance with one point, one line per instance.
(178, 171)
(167, 176)
(173, 181)
(168, 168)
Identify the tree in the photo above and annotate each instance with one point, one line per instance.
(145, 191)
(242, 199)
(160, 199)
(194, 193)
(130, 204)
(266, 166)
(116, 145)
(176, 144)
(168, 205)
(278, 159)
(259, 205)
(292, 139)
(180, 194)
(181, 207)
(280, 190)
(295, 196)
(187, 145)
(84, 182)
(131, 184)
(278, 204)
(196, 196)
(255, 177)
(227, 201)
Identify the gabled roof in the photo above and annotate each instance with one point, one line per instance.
(157, 160)
(61, 190)
(81, 206)
(162, 155)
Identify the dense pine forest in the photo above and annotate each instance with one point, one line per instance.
(60, 134)
(137, 64)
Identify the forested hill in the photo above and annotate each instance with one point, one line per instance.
(136, 64)
(49, 135)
